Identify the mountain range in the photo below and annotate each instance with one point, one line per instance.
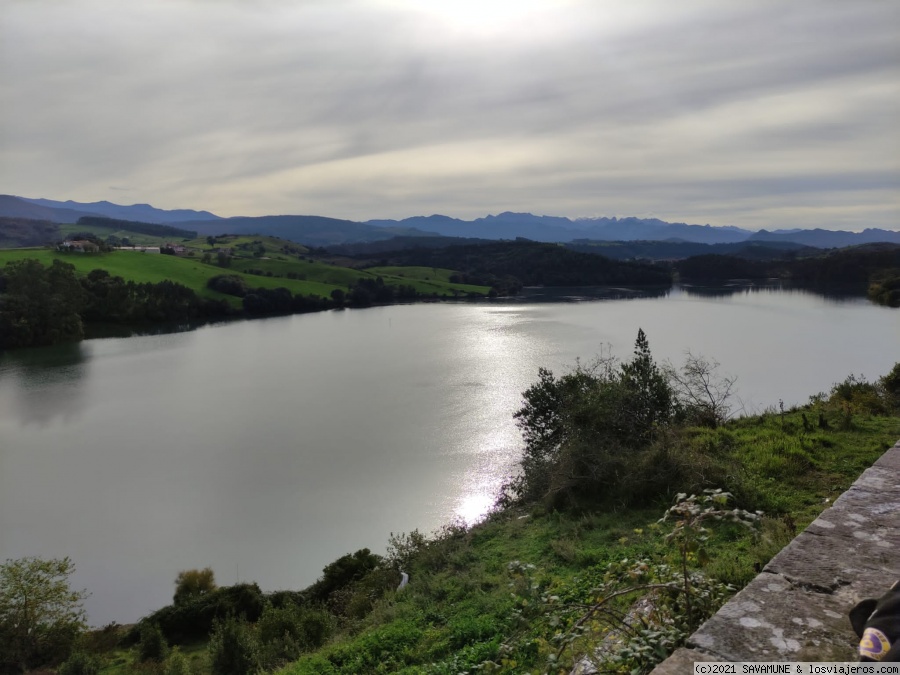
(509, 225)
(141, 212)
(323, 231)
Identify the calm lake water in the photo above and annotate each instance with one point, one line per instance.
(266, 449)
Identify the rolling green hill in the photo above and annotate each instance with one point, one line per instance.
(424, 277)
(300, 277)
(103, 232)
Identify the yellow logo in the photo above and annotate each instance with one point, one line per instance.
(874, 644)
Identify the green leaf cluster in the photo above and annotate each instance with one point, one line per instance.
(588, 432)
(41, 617)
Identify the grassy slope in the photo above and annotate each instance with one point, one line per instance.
(136, 238)
(425, 276)
(414, 272)
(238, 240)
(458, 608)
(316, 278)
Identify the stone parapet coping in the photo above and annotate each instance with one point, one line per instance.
(796, 608)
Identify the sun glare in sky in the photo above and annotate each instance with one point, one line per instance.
(486, 18)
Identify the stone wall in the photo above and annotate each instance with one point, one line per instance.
(796, 609)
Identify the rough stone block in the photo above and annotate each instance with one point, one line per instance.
(890, 460)
(681, 662)
(864, 507)
(878, 479)
(772, 619)
(860, 560)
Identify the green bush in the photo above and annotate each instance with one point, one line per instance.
(314, 665)
(233, 648)
(404, 547)
(193, 619)
(469, 629)
(284, 598)
(80, 663)
(177, 664)
(585, 432)
(890, 383)
(230, 284)
(287, 632)
(152, 646)
(343, 572)
(386, 649)
(857, 395)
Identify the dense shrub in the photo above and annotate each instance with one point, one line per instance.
(857, 395)
(194, 619)
(287, 632)
(268, 301)
(585, 432)
(233, 648)
(177, 664)
(280, 599)
(343, 572)
(890, 383)
(357, 599)
(80, 663)
(311, 303)
(111, 298)
(230, 284)
(884, 288)
(152, 646)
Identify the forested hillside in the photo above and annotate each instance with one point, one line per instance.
(527, 263)
(17, 232)
(152, 229)
(855, 265)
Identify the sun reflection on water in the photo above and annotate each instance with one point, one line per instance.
(492, 348)
(474, 507)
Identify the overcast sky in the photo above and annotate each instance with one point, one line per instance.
(749, 113)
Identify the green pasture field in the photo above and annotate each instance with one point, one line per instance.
(426, 280)
(344, 277)
(425, 277)
(273, 245)
(423, 273)
(317, 278)
(103, 232)
(338, 277)
(436, 282)
(154, 267)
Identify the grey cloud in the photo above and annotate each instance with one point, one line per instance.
(202, 93)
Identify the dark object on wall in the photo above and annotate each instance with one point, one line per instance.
(877, 624)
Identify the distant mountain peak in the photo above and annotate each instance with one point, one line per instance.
(320, 230)
(137, 212)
